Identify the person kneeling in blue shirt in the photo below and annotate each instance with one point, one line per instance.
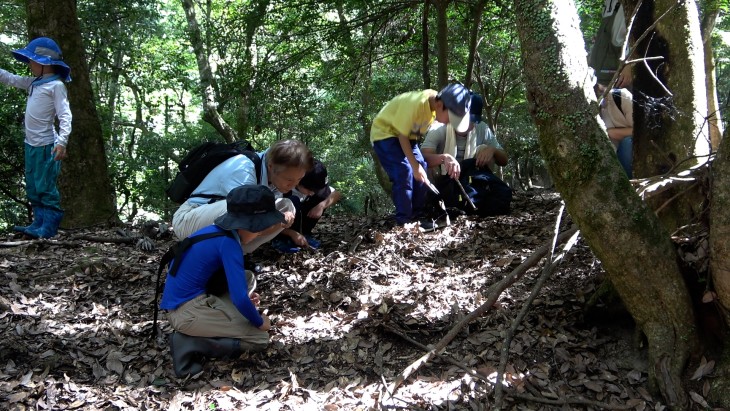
(219, 324)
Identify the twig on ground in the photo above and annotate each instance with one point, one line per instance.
(356, 243)
(494, 292)
(546, 272)
(470, 371)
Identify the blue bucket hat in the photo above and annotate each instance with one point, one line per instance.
(251, 208)
(45, 52)
(477, 104)
(456, 99)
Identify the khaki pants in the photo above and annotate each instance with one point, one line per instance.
(211, 316)
(190, 218)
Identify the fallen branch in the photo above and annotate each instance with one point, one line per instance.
(116, 240)
(546, 272)
(470, 371)
(494, 292)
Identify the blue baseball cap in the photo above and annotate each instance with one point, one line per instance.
(457, 100)
(477, 104)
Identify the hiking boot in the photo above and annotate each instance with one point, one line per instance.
(37, 221)
(188, 352)
(49, 228)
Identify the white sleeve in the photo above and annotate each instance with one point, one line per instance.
(618, 31)
(10, 79)
(63, 112)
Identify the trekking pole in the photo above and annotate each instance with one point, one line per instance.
(461, 187)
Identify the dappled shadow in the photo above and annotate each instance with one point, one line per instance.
(347, 319)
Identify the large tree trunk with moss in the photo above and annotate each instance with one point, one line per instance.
(617, 225)
(87, 194)
(670, 102)
(720, 260)
(709, 18)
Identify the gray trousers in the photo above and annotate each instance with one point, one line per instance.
(190, 218)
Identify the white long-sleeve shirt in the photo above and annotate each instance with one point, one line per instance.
(45, 102)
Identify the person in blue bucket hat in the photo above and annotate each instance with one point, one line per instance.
(45, 145)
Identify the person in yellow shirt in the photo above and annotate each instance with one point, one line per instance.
(396, 131)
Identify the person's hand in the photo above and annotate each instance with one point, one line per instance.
(266, 326)
(453, 168)
(299, 239)
(317, 211)
(624, 78)
(59, 152)
(420, 174)
(484, 156)
(255, 299)
(288, 219)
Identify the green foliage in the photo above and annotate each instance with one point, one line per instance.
(13, 203)
(314, 71)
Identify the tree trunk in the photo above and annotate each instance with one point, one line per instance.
(442, 42)
(614, 221)
(670, 106)
(476, 24)
(208, 86)
(87, 194)
(254, 19)
(713, 105)
(425, 51)
(720, 260)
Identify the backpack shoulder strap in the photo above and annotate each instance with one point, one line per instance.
(616, 94)
(175, 254)
(256, 160)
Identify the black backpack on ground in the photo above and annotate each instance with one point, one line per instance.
(201, 160)
(489, 194)
(217, 284)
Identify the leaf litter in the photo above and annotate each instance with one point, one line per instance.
(76, 315)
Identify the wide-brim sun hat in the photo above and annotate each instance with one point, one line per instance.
(45, 52)
(457, 100)
(251, 208)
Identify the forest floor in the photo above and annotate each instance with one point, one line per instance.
(76, 315)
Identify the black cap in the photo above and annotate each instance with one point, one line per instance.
(316, 180)
(251, 208)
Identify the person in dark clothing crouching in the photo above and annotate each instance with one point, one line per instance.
(225, 323)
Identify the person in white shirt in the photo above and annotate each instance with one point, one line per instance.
(45, 146)
(284, 164)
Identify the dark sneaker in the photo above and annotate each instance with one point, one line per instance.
(313, 242)
(426, 225)
(454, 212)
(443, 221)
(251, 265)
(285, 246)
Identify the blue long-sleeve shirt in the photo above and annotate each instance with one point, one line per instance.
(199, 263)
